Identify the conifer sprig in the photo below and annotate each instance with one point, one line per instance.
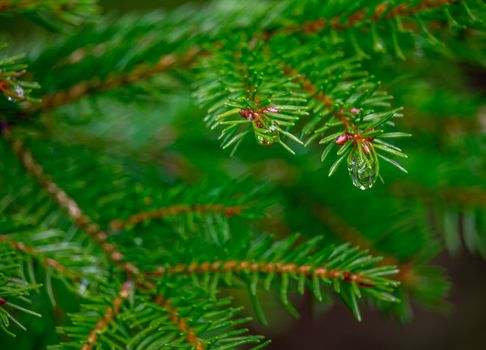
(246, 94)
(59, 259)
(52, 13)
(284, 72)
(68, 204)
(14, 90)
(110, 314)
(288, 266)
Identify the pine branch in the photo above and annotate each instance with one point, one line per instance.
(110, 314)
(142, 71)
(14, 288)
(175, 210)
(181, 323)
(265, 268)
(264, 262)
(68, 204)
(52, 13)
(382, 26)
(204, 323)
(189, 322)
(346, 99)
(381, 11)
(143, 285)
(58, 257)
(251, 96)
(15, 92)
(39, 256)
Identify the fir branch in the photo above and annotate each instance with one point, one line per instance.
(245, 93)
(142, 71)
(52, 13)
(175, 210)
(264, 267)
(110, 314)
(382, 11)
(284, 264)
(347, 110)
(68, 204)
(180, 322)
(14, 90)
(39, 256)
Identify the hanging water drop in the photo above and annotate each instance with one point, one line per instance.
(362, 166)
(83, 286)
(268, 136)
(19, 91)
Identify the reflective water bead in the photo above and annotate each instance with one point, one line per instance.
(362, 167)
(19, 91)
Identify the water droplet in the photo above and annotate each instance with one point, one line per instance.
(362, 169)
(271, 136)
(19, 91)
(11, 99)
(83, 286)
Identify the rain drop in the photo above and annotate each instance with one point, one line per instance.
(363, 168)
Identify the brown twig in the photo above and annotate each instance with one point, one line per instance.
(181, 323)
(85, 222)
(326, 100)
(382, 11)
(12, 6)
(142, 71)
(110, 314)
(262, 267)
(69, 205)
(52, 263)
(173, 211)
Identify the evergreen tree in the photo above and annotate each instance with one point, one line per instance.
(123, 224)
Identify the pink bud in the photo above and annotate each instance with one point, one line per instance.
(272, 110)
(247, 114)
(354, 110)
(342, 139)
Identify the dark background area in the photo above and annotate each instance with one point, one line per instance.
(462, 328)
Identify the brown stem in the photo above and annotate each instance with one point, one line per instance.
(69, 205)
(85, 222)
(175, 210)
(382, 11)
(327, 101)
(181, 323)
(262, 267)
(54, 264)
(116, 80)
(110, 314)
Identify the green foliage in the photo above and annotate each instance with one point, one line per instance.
(145, 323)
(13, 89)
(289, 266)
(22, 252)
(110, 186)
(52, 13)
